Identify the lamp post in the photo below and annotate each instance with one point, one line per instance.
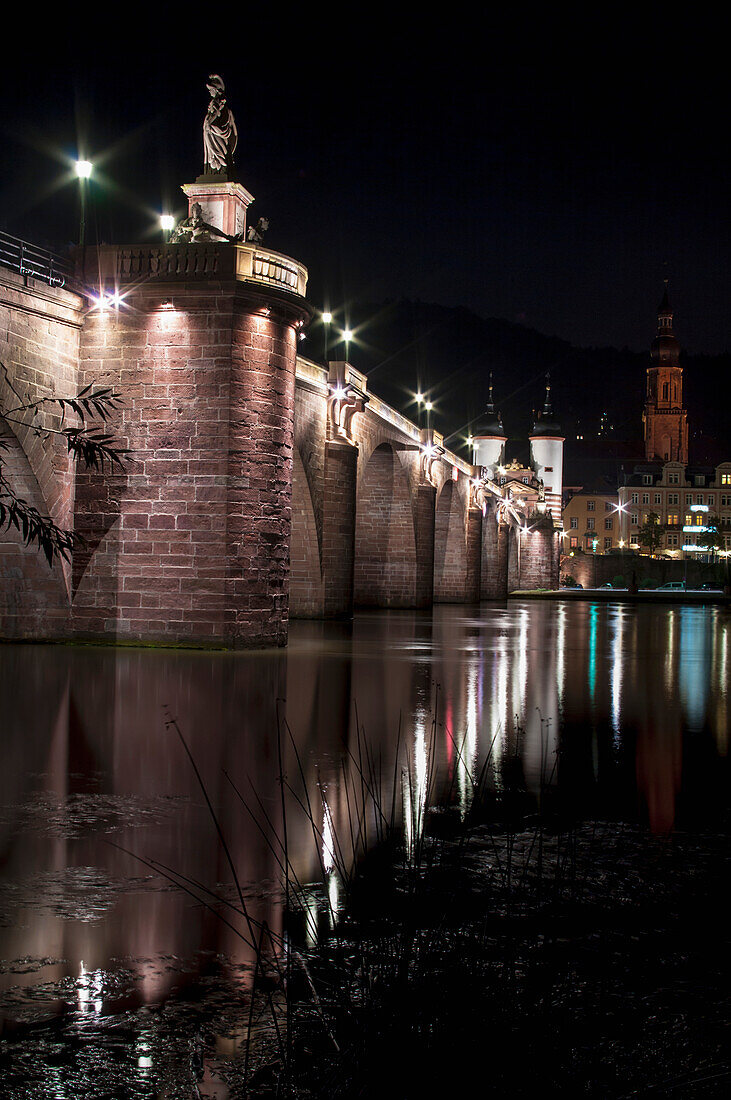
(83, 169)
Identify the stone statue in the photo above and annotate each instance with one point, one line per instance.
(219, 131)
(194, 230)
(255, 233)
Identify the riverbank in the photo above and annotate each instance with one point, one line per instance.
(622, 595)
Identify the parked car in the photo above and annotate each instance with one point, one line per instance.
(671, 586)
(607, 584)
(708, 587)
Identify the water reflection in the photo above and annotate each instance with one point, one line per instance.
(622, 708)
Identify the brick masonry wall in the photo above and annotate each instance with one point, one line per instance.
(259, 510)
(385, 543)
(338, 543)
(305, 582)
(494, 562)
(450, 557)
(39, 349)
(155, 568)
(34, 600)
(538, 559)
(592, 570)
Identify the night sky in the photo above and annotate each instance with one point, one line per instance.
(549, 172)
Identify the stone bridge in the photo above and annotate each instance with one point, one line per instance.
(259, 485)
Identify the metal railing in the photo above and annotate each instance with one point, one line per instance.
(33, 262)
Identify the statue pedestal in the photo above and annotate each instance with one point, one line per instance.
(223, 204)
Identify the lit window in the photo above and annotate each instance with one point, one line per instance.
(574, 542)
(673, 519)
(726, 479)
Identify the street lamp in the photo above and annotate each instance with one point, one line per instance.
(347, 336)
(83, 169)
(167, 224)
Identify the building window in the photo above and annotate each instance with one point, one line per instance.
(647, 479)
(525, 480)
(688, 498)
(674, 479)
(608, 506)
(725, 500)
(574, 522)
(726, 479)
(548, 469)
(688, 518)
(574, 542)
(699, 480)
(608, 524)
(635, 498)
(673, 498)
(672, 540)
(645, 498)
(590, 524)
(590, 505)
(700, 519)
(633, 519)
(607, 544)
(664, 391)
(673, 519)
(658, 498)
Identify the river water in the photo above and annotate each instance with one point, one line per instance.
(623, 710)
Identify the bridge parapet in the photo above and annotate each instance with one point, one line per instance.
(117, 265)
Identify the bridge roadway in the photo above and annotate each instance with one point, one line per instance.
(260, 485)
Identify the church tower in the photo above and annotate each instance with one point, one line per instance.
(664, 418)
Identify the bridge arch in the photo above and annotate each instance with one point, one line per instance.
(450, 553)
(385, 540)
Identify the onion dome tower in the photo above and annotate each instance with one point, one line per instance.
(489, 439)
(546, 452)
(664, 418)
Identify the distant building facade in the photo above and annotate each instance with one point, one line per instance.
(591, 521)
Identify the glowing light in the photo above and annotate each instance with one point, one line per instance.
(428, 406)
(327, 318)
(420, 397)
(341, 393)
(83, 169)
(167, 222)
(348, 335)
(328, 838)
(699, 507)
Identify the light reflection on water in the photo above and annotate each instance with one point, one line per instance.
(634, 697)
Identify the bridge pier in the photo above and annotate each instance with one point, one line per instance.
(424, 522)
(338, 528)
